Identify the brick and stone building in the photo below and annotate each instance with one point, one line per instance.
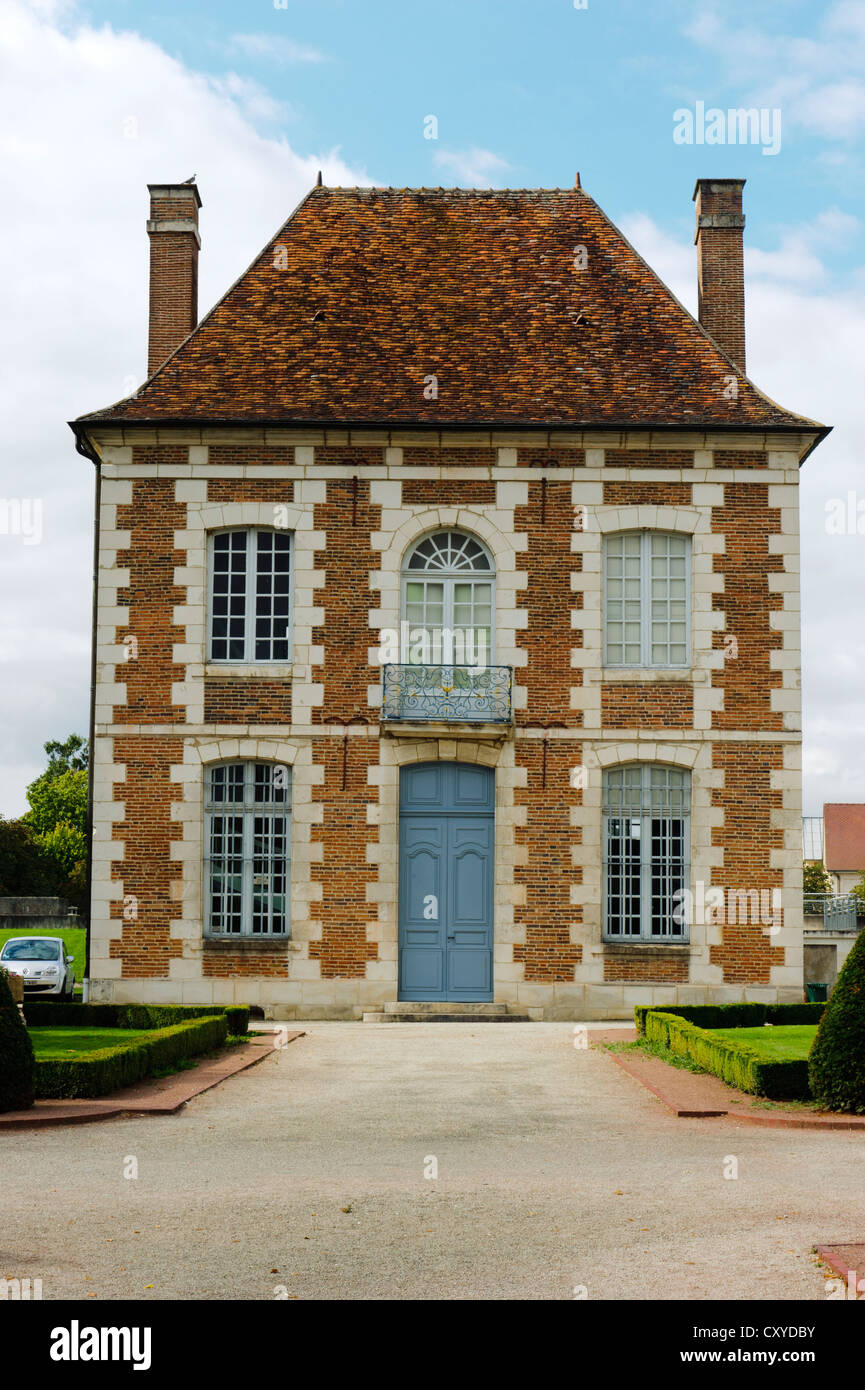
(447, 621)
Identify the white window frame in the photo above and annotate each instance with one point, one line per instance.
(645, 662)
(247, 811)
(677, 932)
(448, 578)
(249, 658)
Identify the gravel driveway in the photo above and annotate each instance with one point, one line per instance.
(427, 1161)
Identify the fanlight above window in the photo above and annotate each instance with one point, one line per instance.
(449, 550)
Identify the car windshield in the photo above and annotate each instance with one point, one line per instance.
(35, 949)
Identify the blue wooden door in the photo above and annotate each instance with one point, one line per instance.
(446, 857)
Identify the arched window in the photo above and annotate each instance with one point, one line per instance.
(646, 852)
(250, 595)
(646, 599)
(448, 586)
(246, 859)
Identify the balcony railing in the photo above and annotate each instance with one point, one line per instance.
(840, 911)
(449, 694)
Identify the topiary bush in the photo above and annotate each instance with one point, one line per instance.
(17, 1065)
(837, 1060)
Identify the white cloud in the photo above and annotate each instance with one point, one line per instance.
(87, 117)
(804, 340)
(817, 82)
(275, 48)
(475, 168)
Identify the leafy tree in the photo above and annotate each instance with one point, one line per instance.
(58, 798)
(836, 1065)
(65, 846)
(69, 756)
(25, 868)
(815, 879)
(45, 852)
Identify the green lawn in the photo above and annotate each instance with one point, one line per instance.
(73, 938)
(789, 1042)
(71, 1042)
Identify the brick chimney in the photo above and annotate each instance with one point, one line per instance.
(720, 272)
(174, 246)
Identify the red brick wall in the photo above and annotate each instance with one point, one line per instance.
(549, 638)
(551, 458)
(647, 705)
(448, 458)
(747, 521)
(222, 963)
(639, 967)
(733, 458)
(649, 458)
(747, 839)
(151, 595)
(234, 455)
(346, 598)
(650, 494)
(246, 700)
(548, 953)
(277, 490)
(448, 492)
(348, 455)
(146, 870)
(344, 871)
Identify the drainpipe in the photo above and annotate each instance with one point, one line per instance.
(84, 447)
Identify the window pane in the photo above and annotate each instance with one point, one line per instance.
(271, 601)
(228, 601)
(247, 848)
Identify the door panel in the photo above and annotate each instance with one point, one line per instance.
(446, 882)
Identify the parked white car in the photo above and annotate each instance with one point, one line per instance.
(42, 963)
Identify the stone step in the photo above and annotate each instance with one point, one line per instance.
(437, 1006)
(445, 1015)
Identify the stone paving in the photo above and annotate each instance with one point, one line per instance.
(427, 1161)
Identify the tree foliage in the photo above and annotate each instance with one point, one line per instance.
(56, 799)
(815, 879)
(836, 1066)
(45, 852)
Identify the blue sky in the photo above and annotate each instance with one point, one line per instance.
(547, 89)
(98, 99)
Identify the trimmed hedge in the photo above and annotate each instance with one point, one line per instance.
(111, 1068)
(44, 1013)
(737, 1063)
(732, 1015)
(837, 1060)
(16, 1054)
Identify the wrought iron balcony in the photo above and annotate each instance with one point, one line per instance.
(450, 694)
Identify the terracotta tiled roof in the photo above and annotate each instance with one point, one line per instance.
(366, 292)
(844, 832)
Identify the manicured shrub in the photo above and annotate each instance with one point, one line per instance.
(16, 1054)
(108, 1069)
(733, 1015)
(837, 1060)
(737, 1063)
(44, 1013)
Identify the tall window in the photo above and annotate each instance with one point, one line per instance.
(247, 812)
(250, 595)
(448, 593)
(646, 599)
(646, 848)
